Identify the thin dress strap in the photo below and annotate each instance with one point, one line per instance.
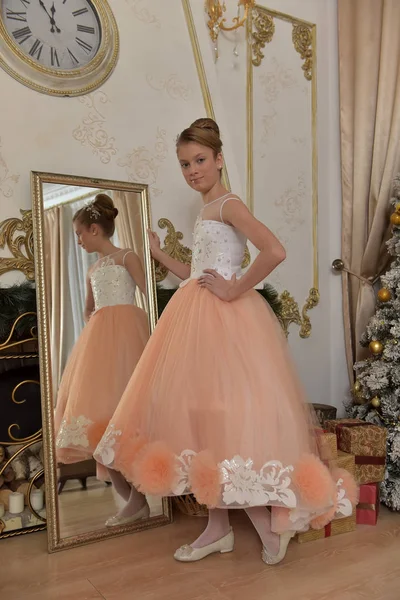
(222, 206)
(125, 255)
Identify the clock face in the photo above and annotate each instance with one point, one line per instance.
(57, 34)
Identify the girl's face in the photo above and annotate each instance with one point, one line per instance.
(200, 167)
(86, 236)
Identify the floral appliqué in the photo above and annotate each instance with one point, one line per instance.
(105, 450)
(73, 432)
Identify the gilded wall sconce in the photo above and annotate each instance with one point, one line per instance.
(216, 21)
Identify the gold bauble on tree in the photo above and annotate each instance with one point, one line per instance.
(376, 347)
(357, 386)
(384, 295)
(376, 402)
(398, 207)
(395, 219)
(358, 399)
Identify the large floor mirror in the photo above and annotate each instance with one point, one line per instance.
(80, 497)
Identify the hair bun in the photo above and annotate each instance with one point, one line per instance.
(206, 123)
(105, 206)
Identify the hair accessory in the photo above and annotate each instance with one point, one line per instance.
(92, 210)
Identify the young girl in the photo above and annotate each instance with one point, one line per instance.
(214, 407)
(109, 347)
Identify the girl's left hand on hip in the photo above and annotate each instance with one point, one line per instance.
(220, 287)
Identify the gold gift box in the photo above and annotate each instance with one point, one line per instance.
(327, 444)
(335, 527)
(345, 461)
(368, 444)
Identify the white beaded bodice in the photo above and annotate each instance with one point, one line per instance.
(112, 285)
(217, 246)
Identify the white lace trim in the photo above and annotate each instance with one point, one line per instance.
(241, 484)
(73, 432)
(105, 452)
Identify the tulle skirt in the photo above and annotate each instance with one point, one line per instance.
(215, 408)
(98, 370)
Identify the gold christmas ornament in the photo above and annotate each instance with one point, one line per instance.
(357, 386)
(398, 207)
(358, 399)
(395, 219)
(376, 402)
(376, 347)
(384, 295)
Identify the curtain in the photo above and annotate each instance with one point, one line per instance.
(369, 77)
(55, 286)
(66, 268)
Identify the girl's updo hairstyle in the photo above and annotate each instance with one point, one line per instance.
(101, 211)
(204, 132)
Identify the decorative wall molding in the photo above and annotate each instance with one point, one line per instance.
(261, 29)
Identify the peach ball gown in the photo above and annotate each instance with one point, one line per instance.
(215, 407)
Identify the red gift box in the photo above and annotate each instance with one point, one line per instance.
(368, 504)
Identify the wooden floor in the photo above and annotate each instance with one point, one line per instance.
(364, 565)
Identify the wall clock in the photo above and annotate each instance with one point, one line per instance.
(58, 47)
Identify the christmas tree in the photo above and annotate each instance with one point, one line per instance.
(376, 391)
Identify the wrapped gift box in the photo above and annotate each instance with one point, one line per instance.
(327, 444)
(345, 461)
(368, 444)
(324, 412)
(335, 527)
(368, 506)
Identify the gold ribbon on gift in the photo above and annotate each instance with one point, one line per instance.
(366, 506)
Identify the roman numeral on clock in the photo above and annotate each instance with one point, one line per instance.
(36, 49)
(73, 58)
(85, 29)
(26, 3)
(79, 12)
(86, 47)
(23, 34)
(54, 57)
(16, 16)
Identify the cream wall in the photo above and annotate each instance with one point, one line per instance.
(127, 130)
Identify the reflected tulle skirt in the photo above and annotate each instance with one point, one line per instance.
(97, 372)
(215, 408)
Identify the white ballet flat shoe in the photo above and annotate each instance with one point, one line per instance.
(274, 559)
(188, 554)
(143, 513)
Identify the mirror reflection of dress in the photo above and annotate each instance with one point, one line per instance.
(101, 363)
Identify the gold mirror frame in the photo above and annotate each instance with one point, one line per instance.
(55, 542)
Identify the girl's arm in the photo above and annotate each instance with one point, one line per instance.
(89, 304)
(175, 266)
(272, 253)
(135, 270)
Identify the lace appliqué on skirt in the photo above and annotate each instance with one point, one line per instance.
(241, 485)
(73, 432)
(105, 451)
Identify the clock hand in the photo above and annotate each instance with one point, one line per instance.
(52, 21)
(53, 10)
